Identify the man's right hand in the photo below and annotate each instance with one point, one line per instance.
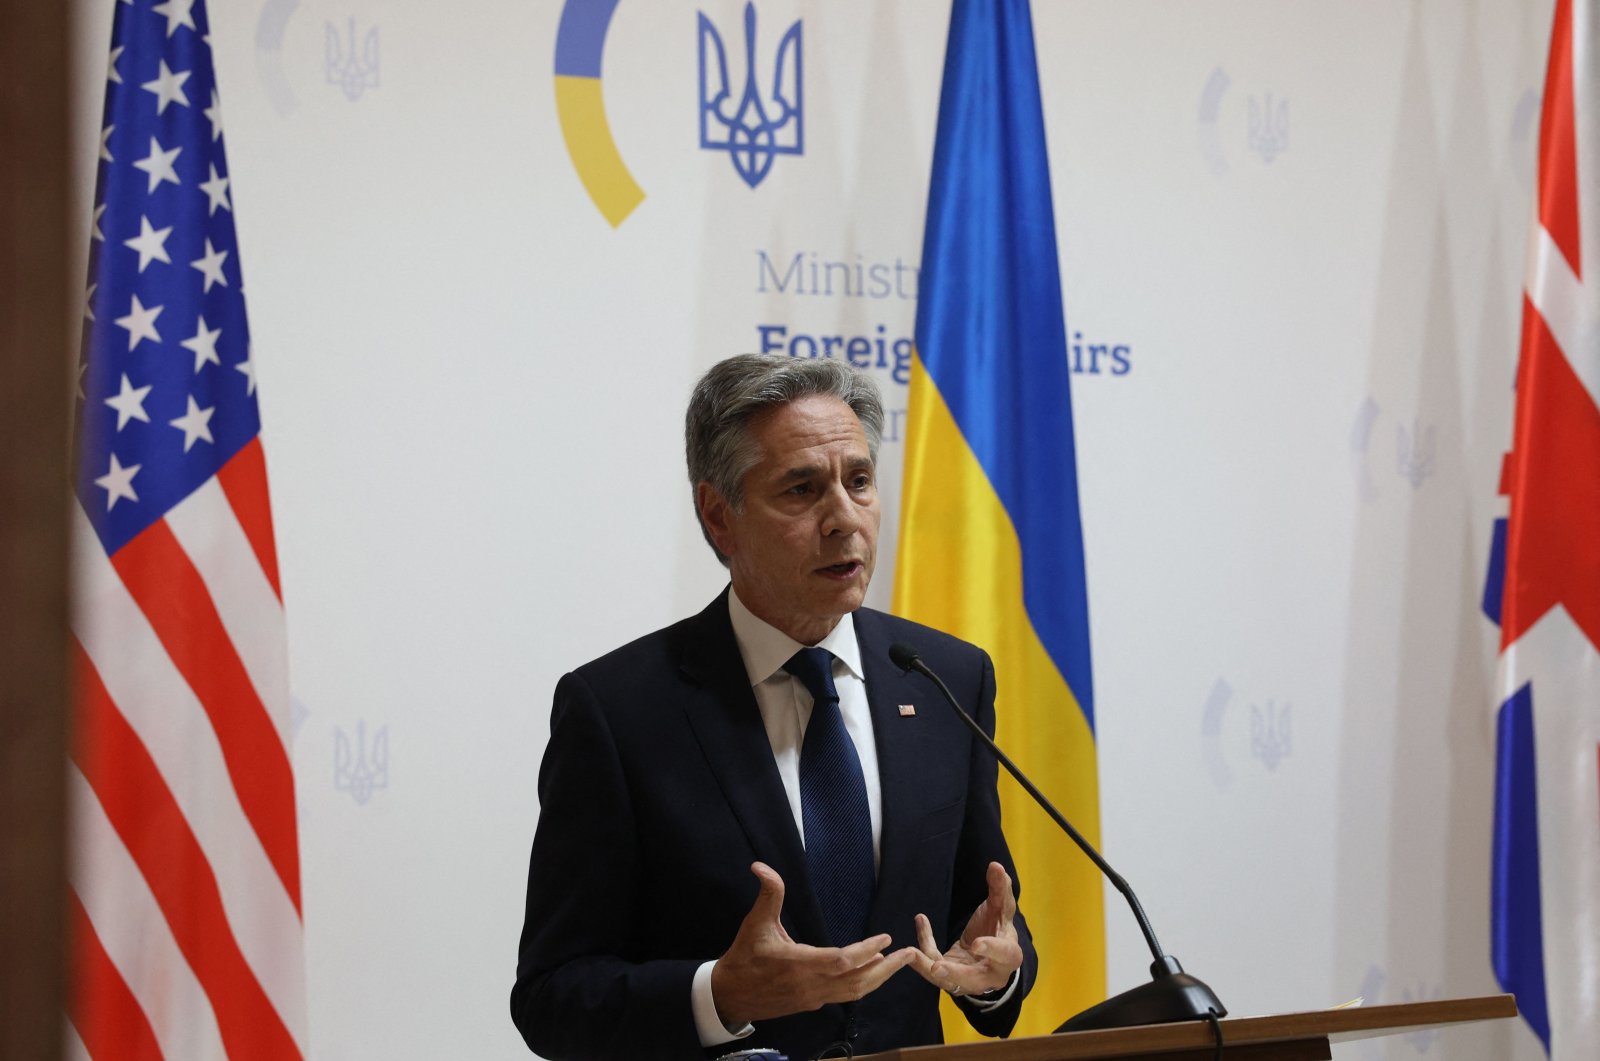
(767, 974)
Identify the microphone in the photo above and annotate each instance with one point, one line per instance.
(1172, 995)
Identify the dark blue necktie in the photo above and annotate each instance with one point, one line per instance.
(833, 805)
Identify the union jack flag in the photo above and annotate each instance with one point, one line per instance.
(1544, 584)
(185, 881)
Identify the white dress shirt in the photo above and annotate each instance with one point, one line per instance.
(785, 710)
(786, 705)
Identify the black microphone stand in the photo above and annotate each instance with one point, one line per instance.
(1172, 995)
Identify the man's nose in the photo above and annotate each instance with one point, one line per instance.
(839, 515)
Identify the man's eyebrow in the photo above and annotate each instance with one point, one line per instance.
(801, 472)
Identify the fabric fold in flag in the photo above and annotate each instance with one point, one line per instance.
(187, 935)
(991, 544)
(1545, 582)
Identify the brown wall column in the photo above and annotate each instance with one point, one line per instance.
(35, 387)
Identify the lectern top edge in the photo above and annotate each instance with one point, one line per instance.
(1153, 1040)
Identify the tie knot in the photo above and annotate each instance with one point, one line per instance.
(814, 668)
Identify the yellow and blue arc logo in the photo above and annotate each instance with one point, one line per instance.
(580, 42)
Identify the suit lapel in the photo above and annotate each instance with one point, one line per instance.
(727, 723)
(897, 739)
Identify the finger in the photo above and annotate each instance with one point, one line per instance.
(923, 966)
(859, 953)
(769, 901)
(973, 977)
(997, 949)
(1005, 955)
(834, 961)
(956, 971)
(925, 940)
(998, 954)
(926, 952)
(919, 961)
(911, 955)
(1000, 892)
(870, 976)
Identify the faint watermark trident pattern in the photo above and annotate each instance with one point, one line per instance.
(1422, 1039)
(1414, 452)
(354, 71)
(1271, 735)
(752, 129)
(1269, 127)
(1371, 993)
(361, 770)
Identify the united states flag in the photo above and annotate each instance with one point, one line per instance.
(1544, 585)
(185, 880)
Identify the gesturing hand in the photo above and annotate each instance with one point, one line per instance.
(765, 973)
(987, 953)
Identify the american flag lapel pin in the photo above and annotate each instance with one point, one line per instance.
(907, 710)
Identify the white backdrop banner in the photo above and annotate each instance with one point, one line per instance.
(489, 245)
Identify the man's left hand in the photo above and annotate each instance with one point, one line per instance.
(987, 953)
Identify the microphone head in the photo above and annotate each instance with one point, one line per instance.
(903, 655)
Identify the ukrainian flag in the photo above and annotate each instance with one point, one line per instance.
(991, 545)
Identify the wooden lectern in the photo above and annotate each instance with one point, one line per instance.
(1285, 1037)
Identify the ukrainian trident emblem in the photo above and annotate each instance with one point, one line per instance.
(1414, 452)
(753, 129)
(1269, 127)
(360, 770)
(1271, 736)
(354, 71)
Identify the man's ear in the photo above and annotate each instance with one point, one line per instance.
(716, 514)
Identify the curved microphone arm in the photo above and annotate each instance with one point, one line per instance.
(1172, 994)
(906, 658)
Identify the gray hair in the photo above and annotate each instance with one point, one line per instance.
(716, 431)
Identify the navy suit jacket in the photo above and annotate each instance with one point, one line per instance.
(658, 789)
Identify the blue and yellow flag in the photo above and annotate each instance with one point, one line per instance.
(991, 546)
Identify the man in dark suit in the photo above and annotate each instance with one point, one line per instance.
(752, 823)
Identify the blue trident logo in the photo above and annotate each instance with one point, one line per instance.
(752, 130)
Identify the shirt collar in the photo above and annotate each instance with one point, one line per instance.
(766, 649)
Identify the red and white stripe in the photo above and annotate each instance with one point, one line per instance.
(185, 903)
(1565, 238)
(1551, 617)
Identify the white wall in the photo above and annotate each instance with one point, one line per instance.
(472, 387)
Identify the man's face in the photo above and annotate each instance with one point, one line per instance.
(802, 547)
